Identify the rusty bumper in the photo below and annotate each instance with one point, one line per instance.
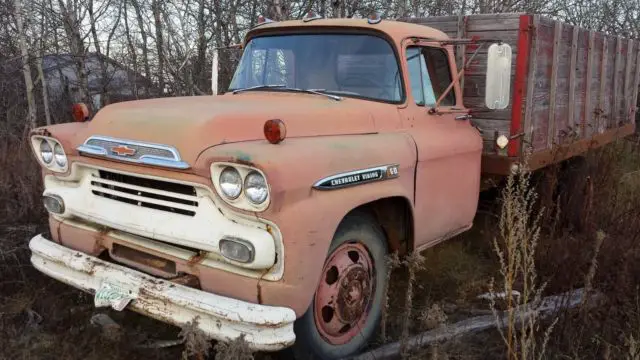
(266, 328)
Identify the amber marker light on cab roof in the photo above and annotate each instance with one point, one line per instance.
(275, 131)
(374, 18)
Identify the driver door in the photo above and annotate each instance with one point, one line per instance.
(449, 148)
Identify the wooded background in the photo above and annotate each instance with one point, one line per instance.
(56, 52)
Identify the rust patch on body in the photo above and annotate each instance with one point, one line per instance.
(188, 280)
(196, 259)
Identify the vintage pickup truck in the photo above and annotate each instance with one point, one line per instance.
(268, 211)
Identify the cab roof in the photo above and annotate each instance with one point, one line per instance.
(397, 30)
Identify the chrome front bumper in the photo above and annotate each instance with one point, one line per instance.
(266, 328)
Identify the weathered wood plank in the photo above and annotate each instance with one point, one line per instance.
(581, 81)
(551, 130)
(616, 83)
(572, 74)
(500, 23)
(461, 49)
(543, 77)
(627, 80)
(587, 103)
(636, 80)
(531, 80)
(562, 128)
(603, 87)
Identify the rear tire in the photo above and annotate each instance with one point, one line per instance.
(345, 311)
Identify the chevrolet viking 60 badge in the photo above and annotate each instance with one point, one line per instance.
(357, 177)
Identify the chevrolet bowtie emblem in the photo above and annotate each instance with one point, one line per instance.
(123, 150)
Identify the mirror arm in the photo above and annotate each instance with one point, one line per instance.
(434, 109)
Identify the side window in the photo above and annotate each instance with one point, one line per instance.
(429, 75)
(415, 74)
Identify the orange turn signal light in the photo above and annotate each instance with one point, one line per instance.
(80, 112)
(275, 131)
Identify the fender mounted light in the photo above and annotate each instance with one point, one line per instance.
(80, 112)
(275, 131)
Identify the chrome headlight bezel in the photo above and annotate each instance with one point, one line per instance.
(56, 164)
(242, 201)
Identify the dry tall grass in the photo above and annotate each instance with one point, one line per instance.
(20, 183)
(515, 246)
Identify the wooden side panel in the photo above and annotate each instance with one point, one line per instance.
(561, 110)
(635, 85)
(483, 26)
(594, 86)
(608, 77)
(569, 83)
(580, 87)
(542, 84)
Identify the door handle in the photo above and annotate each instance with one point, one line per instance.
(464, 117)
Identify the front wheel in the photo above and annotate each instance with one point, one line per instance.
(345, 311)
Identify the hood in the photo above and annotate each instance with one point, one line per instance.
(193, 124)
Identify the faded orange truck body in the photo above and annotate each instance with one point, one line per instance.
(147, 232)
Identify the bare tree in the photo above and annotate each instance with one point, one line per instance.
(26, 69)
(157, 16)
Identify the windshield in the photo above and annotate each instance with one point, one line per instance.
(348, 65)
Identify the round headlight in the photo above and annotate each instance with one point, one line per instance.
(61, 158)
(255, 188)
(46, 152)
(230, 182)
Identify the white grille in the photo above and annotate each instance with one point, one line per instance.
(155, 194)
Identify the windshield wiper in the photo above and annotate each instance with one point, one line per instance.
(284, 87)
(338, 92)
(257, 87)
(321, 92)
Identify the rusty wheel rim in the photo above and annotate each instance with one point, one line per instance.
(345, 293)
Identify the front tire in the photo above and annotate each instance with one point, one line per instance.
(345, 311)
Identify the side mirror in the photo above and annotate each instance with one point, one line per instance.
(498, 80)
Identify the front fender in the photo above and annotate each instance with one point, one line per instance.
(306, 217)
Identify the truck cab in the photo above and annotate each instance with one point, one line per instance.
(268, 212)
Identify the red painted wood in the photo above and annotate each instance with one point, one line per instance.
(520, 83)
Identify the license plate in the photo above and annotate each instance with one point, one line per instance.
(113, 295)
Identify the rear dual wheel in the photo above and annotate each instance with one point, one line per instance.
(345, 311)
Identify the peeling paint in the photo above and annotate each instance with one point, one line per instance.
(266, 328)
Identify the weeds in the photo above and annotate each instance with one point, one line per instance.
(414, 262)
(20, 183)
(234, 350)
(519, 233)
(196, 343)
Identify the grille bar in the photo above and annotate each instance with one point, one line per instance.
(155, 194)
(148, 190)
(141, 198)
